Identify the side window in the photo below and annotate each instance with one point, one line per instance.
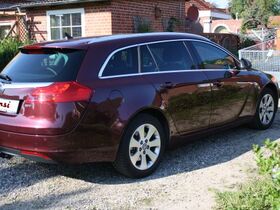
(171, 56)
(212, 57)
(147, 61)
(122, 62)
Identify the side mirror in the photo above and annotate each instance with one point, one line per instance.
(245, 64)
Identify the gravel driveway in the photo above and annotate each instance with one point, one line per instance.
(185, 180)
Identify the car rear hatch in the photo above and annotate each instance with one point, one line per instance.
(39, 94)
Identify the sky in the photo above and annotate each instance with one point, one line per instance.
(220, 3)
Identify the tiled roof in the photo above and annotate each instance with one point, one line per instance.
(274, 21)
(33, 3)
(204, 5)
(7, 6)
(39, 3)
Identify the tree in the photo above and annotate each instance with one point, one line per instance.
(254, 12)
(237, 7)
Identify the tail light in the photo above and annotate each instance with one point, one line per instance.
(60, 92)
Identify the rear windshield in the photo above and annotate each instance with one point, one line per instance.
(45, 66)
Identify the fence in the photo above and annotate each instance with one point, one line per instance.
(19, 28)
(264, 56)
(25, 30)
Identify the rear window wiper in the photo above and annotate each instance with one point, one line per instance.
(5, 77)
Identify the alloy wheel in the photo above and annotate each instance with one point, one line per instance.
(144, 146)
(266, 109)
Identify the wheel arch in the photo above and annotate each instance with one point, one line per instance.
(155, 112)
(256, 124)
(272, 87)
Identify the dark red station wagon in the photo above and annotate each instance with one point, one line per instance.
(125, 98)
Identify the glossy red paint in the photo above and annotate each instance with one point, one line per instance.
(82, 129)
(34, 154)
(40, 118)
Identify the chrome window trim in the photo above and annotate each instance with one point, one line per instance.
(139, 59)
(162, 72)
(158, 72)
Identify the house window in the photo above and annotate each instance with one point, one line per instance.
(65, 21)
(4, 29)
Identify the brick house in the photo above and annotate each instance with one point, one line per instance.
(227, 26)
(50, 19)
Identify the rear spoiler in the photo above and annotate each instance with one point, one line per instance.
(38, 49)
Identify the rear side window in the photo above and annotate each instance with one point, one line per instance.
(45, 66)
(122, 62)
(172, 56)
(212, 57)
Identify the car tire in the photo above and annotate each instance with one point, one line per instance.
(266, 110)
(141, 148)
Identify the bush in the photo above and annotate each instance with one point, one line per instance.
(142, 25)
(246, 42)
(263, 193)
(268, 159)
(8, 50)
(172, 24)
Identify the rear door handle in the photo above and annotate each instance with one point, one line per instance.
(218, 84)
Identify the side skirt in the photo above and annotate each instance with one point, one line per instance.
(177, 141)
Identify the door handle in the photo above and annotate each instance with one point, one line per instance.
(167, 85)
(230, 74)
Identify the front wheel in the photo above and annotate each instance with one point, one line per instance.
(266, 110)
(142, 147)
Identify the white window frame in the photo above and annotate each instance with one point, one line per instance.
(209, 13)
(7, 24)
(63, 12)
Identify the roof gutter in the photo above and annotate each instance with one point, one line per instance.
(10, 8)
(58, 3)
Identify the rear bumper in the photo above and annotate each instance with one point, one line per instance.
(7, 153)
(73, 148)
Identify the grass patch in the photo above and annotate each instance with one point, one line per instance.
(146, 201)
(259, 194)
(262, 193)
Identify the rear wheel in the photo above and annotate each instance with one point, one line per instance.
(266, 110)
(142, 147)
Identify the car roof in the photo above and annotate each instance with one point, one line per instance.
(84, 43)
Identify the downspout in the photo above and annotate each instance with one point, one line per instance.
(18, 9)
